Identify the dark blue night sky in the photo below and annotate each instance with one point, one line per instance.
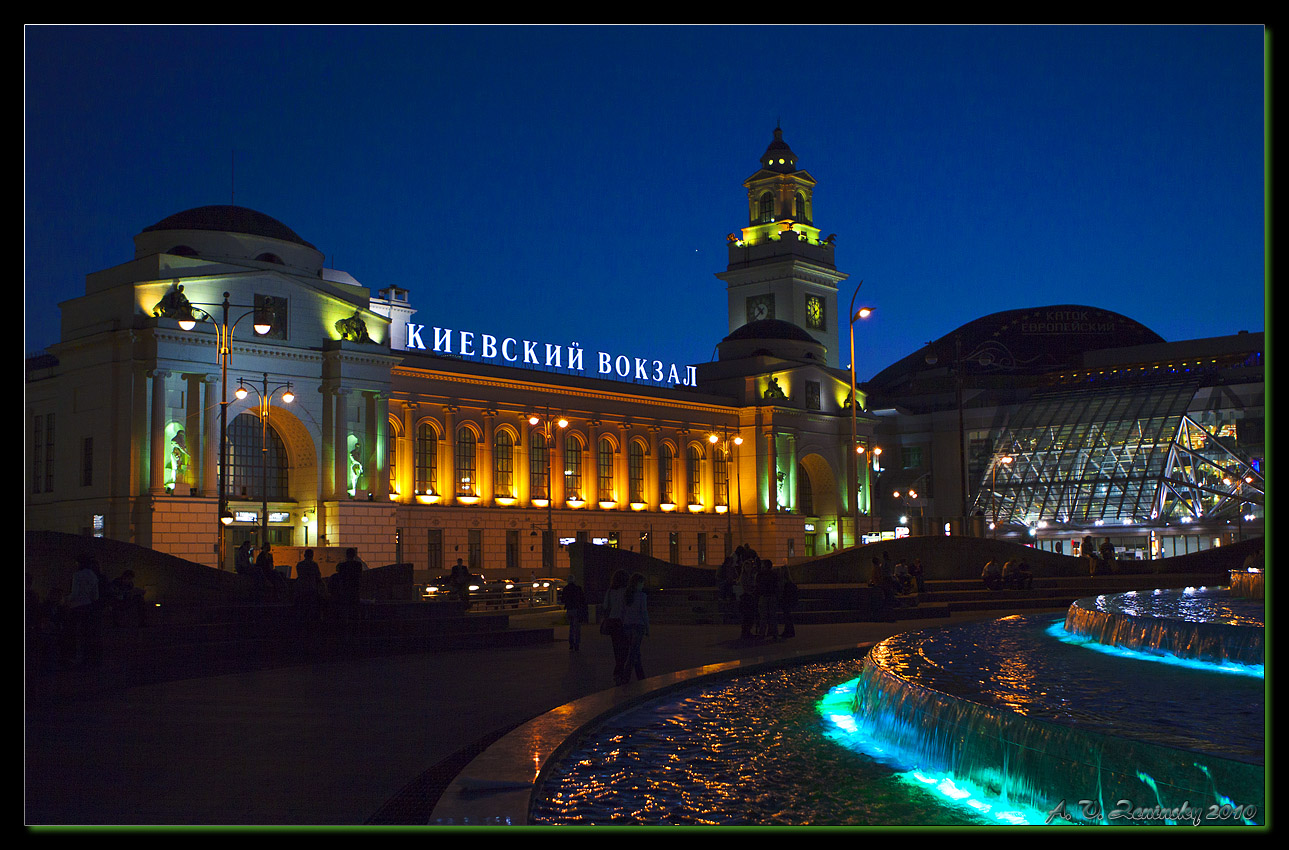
(575, 184)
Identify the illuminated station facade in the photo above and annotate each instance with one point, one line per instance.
(350, 420)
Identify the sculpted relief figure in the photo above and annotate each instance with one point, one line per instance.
(353, 328)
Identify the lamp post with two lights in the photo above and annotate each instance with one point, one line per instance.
(188, 315)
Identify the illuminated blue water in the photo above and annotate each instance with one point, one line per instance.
(1010, 721)
(751, 751)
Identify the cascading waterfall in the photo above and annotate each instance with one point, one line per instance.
(1199, 623)
(1049, 726)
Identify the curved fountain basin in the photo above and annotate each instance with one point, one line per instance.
(1206, 624)
(1040, 721)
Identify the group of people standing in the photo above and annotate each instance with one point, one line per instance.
(625, 619)
(66, 628)
(1014, 574)
(308, 591)
(764, 596)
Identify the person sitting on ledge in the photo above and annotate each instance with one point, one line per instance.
(1016, 575)
(992, 575)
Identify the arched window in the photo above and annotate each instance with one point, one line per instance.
(665, 480)
(695, 476)
(245, 474)
(805, 495)
(538, 466)
(572, 467)
(392, 448)
(427, 460)
(721, 475)
(604, 466)
(799, 207)
(766, 211)
(503, 463)
(467, 484)
(635, 472)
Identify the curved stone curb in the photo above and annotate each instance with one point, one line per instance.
(496, 788)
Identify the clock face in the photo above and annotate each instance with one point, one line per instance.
(760, 307)
(814, 312)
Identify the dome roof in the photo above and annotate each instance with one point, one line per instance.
(778, 156)
(1031, 341)
(225, 218)
(770, 329)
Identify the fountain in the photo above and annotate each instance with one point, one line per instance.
(1022, 720)
(1024, 711)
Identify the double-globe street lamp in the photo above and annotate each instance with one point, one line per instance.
(548, 425)
(1005, 460)
(263, 398)
(724, 442)
(188, 315)
(856, 449)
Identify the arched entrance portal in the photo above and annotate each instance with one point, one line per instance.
(280, 474)
(818, 501)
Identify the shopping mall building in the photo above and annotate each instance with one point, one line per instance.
(349, 422)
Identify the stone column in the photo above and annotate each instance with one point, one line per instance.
(340, 445)
(378, 403)
(210, 437)
(448, 458)
(653, 486)
(157, 433)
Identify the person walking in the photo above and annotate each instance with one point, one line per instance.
(84, 614)
(461, 582)
(349, 576)
(611, 623)
(767, 600)
(635, 625)
(308, 588)
(788, 603)
(575, 609)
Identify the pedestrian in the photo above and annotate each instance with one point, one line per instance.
(575, 609)
(788, 603)
(461, 582)
(124, 596)
(271, 577)
(915, 570)
(308, 588)
(747, 596)
(84, 615)
(349, 576)
(611, 623)
(767, 601)
(635, 626)
(242, 561)
(992, 575)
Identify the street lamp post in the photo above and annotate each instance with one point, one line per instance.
(548, 544)
(853, 461)
(725, 444)
(993, 489)
(263, 398)
(989, 354)
(189, 315)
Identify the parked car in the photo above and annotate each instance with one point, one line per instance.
(544, 591)
(443, 588)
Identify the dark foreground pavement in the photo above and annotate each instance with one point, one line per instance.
(347, 742)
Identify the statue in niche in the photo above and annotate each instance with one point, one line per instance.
(353, 328)
(355, 468)
(173, 305)
(178, 457)
(773, 390)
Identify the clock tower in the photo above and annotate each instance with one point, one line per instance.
(779, 268)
